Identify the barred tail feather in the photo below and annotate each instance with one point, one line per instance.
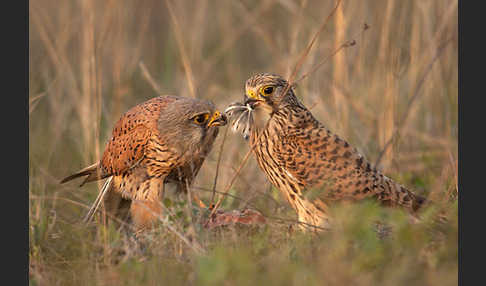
(92, 172)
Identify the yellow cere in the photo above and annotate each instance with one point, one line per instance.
(251, 93)
(215, 116)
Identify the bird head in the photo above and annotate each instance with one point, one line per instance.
(266, 91)
(265, 94)
(190, 123)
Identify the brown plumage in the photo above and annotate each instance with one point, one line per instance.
(310, 165)
(164, 139)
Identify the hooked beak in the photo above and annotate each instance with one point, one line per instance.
(252, 102)
(218, 119)
(252, 99)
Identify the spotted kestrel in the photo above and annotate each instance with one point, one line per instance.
(164, 139)
(310, 165)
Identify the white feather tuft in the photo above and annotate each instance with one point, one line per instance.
(242, 116)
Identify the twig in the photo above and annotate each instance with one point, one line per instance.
(346, 44)
(218, 203)
(215, 207)
(78, 204)
(217, 166)
(309, 47)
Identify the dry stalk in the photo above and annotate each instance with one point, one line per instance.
(217, 165)
(182, 49)
(231, 40)
(416, 93)
(344, 45)
(309, 47)
(149, 78)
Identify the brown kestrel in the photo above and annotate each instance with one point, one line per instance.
(164, 139)
(310, 165)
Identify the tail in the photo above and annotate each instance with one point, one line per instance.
(396, 194)
(94, 207)
(93, 172)
(418, 203)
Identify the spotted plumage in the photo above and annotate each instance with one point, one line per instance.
(164, 139)
(310, 165)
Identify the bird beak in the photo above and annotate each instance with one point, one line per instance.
(251, 102)
(218, 119)
(252, 99)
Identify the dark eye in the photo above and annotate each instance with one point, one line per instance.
(201, 118)
(268, 90)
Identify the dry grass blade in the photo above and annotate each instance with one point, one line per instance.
(149, 78)
(231, 39)
(35, 100)
(413, 99)
(194, 245)
(344, 45)
(309, 47)
(90, 61)
(218, 203)
(182, 50)
(242, 164)
(454, 170)
(218, 164)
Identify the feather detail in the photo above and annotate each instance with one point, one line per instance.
(93, 172)
(99, 199)
(242, 117)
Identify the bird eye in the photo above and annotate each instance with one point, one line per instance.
(201, 118)
(267, 90)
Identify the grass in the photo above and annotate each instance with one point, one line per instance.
(395, 90)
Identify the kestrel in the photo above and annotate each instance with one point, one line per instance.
(164, 139)
(310, 165)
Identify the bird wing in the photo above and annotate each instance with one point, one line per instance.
(131, 136)
(323, 162)
(317, 158)
(129, 140)
(124, 150)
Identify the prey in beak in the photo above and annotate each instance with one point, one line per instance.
(218, 119)
(241, 116)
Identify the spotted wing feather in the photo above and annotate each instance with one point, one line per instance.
(131, 135)
(322, 161)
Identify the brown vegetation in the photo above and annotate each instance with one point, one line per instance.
(393, 95)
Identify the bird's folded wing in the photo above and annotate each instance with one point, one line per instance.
(131, 135)
(125, 150)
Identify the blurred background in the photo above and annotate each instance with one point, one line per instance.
(393, 95)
